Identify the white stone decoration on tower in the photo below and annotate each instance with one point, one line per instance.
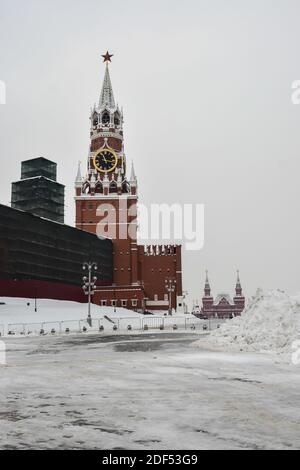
(107, 96)
(78, 181)
(106, 133)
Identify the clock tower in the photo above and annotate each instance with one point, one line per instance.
(106, 199)
(106, 204)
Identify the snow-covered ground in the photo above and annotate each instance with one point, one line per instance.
(19, 316)
(270, 324)
(147, 392)
(17, 310)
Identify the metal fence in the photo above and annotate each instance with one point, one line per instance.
(114, 325)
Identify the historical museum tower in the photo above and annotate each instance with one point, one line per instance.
(106, 204)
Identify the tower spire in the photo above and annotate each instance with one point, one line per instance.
(107, 96)
(78, 176)
(238, 287)
(133, 175)
(207, 285)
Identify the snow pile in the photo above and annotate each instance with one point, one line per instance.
(270, 323)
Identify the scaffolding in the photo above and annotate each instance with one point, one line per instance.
(38, 192)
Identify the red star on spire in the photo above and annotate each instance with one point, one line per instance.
(107, 57)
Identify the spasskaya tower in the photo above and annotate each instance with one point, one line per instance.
(106, 204)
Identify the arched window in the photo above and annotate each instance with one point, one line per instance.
(125, 187)
(99, 188)
(113, 187)
(86, 188)
(105, 118)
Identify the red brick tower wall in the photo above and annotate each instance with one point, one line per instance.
(124, 250)
(156, 263)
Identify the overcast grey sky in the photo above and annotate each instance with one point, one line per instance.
(206, 91)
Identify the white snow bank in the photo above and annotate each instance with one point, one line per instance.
(17, 310)
(270, 323)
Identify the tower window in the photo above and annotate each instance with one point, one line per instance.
(105, 118)
(113, 187)
(116, 119)
(99, 187)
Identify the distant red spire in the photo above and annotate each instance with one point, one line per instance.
(207, 286)
(238, 287)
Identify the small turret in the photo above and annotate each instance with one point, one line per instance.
(207, 289)
(78, 181)
(119, 179)
(238, 287)
(239, 299)
(132, 176)
(133, 181)
(207, 300)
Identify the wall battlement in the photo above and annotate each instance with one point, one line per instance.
(161, 250)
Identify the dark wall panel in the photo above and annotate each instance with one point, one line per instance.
(32, 248)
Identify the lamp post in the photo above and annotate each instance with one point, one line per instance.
(89, 283)
(115, 301)
(185, 307)
(170, 284)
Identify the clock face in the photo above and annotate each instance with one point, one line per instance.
(105, 161)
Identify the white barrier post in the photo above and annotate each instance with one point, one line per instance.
(2, 353)
(2, 92)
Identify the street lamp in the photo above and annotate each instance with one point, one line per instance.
(89, 284)
(170, 284)
(185, 306)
